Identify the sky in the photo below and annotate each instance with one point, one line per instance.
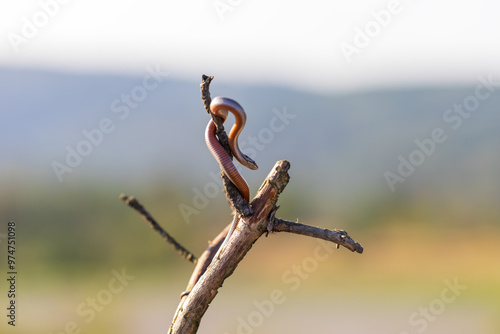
(321, 46)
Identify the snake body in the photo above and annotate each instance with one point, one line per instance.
(220, 106)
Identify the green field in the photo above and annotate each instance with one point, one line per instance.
(72, 242)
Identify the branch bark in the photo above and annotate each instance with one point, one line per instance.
(206, 259)
(134, 204)
(192, 308)
(340, 237)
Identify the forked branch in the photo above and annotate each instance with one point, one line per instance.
(194, 305)
(256, 218)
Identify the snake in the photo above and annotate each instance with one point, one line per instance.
(221, 106)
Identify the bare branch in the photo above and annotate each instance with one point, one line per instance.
(340, 237)
(234, 197)
(206, 258)
(205, 92)
(134, 204)
(192, 308)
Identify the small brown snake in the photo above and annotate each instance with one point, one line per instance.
(220, 107)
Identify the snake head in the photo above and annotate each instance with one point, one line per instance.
(249, 162)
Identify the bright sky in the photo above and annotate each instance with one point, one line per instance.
(315, 45)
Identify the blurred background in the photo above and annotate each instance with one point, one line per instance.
(388, 112)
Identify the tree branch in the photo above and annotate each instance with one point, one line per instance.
(205, 91)
(206, 258)
(134, 204)
(340, 237)
(192, 308)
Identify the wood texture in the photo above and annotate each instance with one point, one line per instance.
(193, 306)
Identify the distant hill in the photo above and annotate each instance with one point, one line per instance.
(339, 145)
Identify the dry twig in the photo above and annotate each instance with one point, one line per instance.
(134, 204)
(340, 237)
